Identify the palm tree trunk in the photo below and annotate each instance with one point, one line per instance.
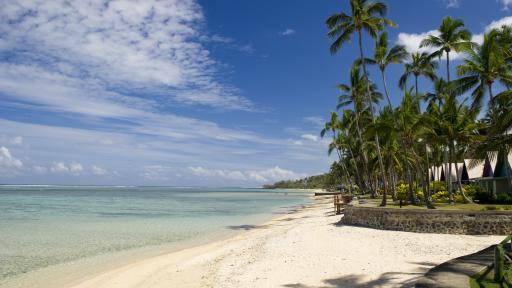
(392, 176)
(368, 92)
(421, 174)
(493, 104)
(445, 164)
(450, 160)
(426, 193)
(365, 157)
(399, 128)
(416, 88)
(459, 182)
(447, 67)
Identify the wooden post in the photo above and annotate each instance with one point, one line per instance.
(498, 264)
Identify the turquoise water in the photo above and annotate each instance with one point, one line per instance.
(44, 226)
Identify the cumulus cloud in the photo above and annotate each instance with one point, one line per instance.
(99, 171)
(9, 165)
(287, 32)
(506, 3)
(59, 167)
(412, 41)
(452, 3)
(73, 168)
(149, 45)
(259, 176)
(309, 137)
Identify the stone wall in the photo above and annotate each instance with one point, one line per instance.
(431, 221)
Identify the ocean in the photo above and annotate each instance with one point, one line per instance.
(42, 226)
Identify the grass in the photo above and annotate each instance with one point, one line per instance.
(442, 206)
(487, 281)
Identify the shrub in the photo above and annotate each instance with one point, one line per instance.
(489, 198)
(437, 186)
(503, 198)
(419, 193)
(484, 198)
(440, 196)
(401, 191)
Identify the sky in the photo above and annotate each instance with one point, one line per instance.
(185, 92)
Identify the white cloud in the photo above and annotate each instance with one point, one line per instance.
(148, 45)
(412, 41)
(505, 3)
(97, 170)
(9, 165)
(452, 3)
(205, 145)
(73, 168)
(259, 176)
(310, 137)
(287, 32)
(505, 21)
(76, 168)
(59, 167)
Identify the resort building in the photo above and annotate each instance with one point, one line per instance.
(488, 173)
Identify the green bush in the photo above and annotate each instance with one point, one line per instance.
(401, 191)
(437, 186)
(419, 193)
(440, 197)
(484, 198)
(489, 198)
(503, 198)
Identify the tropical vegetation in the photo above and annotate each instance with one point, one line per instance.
(390, 151)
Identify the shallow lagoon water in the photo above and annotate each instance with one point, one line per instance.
(41, 226)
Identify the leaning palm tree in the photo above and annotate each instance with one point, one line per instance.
(421, 65)
(367, 16)
(483, 66)
(383, 56)
(452, 37)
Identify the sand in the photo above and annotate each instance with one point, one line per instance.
(305, 248)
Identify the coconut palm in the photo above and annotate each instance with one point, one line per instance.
(368, 16)
(421, 65)
(383, 56)
(484, 65)
(452, 37)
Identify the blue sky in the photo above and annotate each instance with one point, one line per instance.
(183, 92)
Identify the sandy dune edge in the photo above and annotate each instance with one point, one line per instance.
(305, 248)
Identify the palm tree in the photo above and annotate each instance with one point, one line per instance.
(483, 66)
(384, 57)
(456, 125)
(352, 95)
(421, 65)
(368, 16)
(452, 37)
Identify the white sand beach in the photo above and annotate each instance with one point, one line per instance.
(305, 248)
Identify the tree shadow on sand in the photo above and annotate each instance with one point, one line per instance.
(388, 279)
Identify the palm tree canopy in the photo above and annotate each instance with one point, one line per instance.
(384, 56)
(483, 65)
(452, 37)
(421, 65)
(365, 15)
